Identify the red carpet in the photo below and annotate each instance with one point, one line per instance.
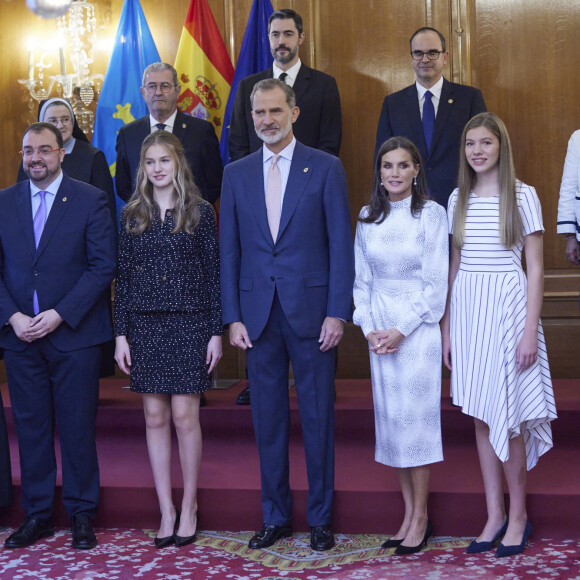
(367, 496)
(123, 554)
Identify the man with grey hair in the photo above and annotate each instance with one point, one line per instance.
(161, 90)
(287, 270)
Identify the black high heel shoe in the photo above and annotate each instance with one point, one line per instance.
(391, 543)
(181, 541)
(405, 550)
(503, 551)
(479, 547)
(168, 540)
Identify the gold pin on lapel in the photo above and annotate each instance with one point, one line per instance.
(183, 126)
(64, 199)
(306, 170)
(450, 101)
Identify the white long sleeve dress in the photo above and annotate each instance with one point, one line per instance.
(401, 282)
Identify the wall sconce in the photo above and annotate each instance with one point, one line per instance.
(75, 28)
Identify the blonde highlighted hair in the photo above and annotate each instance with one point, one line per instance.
(510, 221)
(141, 209)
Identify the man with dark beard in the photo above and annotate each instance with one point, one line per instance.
(320, 123)
(57, 261)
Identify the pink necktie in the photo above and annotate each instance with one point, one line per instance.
(274, 197)
(38, 225)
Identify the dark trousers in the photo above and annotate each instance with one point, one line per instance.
(51, 388)
(314, 375)
(5, 469)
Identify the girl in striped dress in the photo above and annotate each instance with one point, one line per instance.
(492, 335)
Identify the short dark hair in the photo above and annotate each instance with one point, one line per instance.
(40, 127)
(270, 84)
(285, 13)
(428, 29)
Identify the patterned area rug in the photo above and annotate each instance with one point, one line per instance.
(123, 554)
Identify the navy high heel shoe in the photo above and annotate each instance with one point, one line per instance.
(503, 551)
(479, 547)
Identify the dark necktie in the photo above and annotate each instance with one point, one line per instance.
(282, 77)
(38, 225)
(160, 126)
(428, 119)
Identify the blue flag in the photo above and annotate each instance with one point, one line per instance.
(254, 57)
(120, 101)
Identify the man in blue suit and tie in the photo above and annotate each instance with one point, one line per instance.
(431, 113)
(57, 261)
(287, 270)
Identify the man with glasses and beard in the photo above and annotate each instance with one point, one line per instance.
(161, 90)
(57, 261)
(431, 113)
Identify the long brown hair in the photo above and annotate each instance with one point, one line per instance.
(379, 204)
(510, 220)
(141, 209)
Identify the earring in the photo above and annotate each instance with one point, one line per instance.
(382, 184)
(415, 181)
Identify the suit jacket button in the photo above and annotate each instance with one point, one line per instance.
(275, 254)
(272, 278)
(35, 273)
(164, 278)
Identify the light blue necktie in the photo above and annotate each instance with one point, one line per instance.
(38, 225)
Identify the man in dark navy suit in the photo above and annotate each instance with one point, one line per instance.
(320, 123)
(160, 90)
(287, 270)
(431, 113)
(57, 261)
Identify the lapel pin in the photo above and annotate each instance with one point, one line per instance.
(450, 101)
(64, 199)
(183, 126)
(306, 170)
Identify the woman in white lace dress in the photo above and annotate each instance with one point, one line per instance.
(492, 334)
(401, 258)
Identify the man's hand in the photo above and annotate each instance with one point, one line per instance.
(239, 336)
(331, 333)
(20, 323)
(43, 323)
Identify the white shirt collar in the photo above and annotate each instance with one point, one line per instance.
(52, 188)
(435, 89)
(169, 123)
(286, 153)
(292, 72)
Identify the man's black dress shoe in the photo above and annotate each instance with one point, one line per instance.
(321, 538)
(83, 535)
(31, 530)
(405, 550)
(244, 397)
(268, 535)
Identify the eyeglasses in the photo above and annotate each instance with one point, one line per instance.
(431, 54)
(42, 151)
(165, 88)
(62, 120)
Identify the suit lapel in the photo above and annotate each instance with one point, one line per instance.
(302, 82)
(416, 134)
(180, 126)
(254, 188)
(299, 175)
(443, 112)
(62, 201)
(24, 212)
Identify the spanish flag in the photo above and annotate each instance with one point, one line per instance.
(203, 67)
